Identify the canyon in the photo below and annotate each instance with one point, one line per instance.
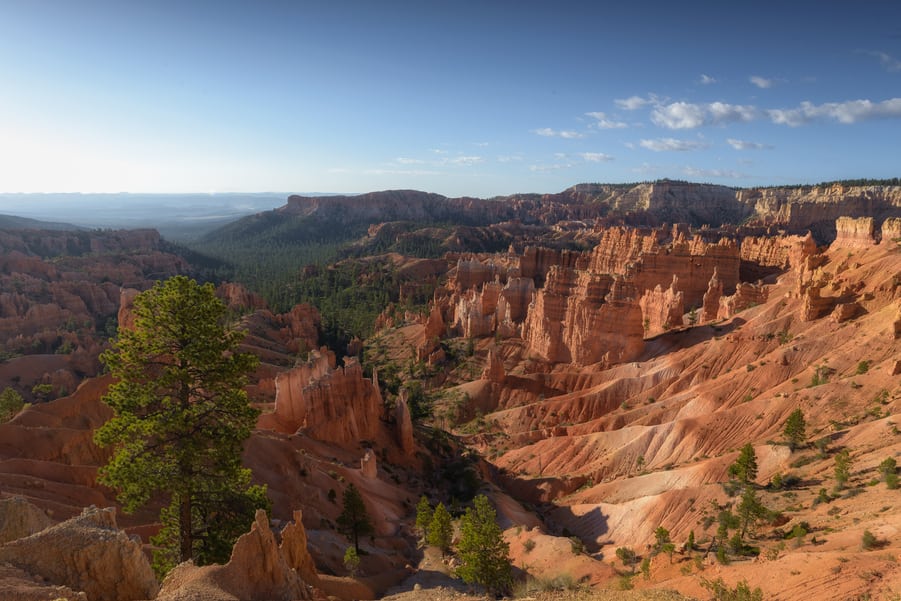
(596, 392)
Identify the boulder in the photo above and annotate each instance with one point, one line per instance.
(86, 553)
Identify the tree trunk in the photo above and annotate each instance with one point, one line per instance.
(185, 529)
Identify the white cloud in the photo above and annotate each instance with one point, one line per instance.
(847, 112)
(409, 161)
(595, 157)
(544, 168)
(721, 173)
(553, 133)
(603, 122)
(670, 144)
(509, 158)
(707, 80)
(466, 161)
(889, 62)
(633, 103)
(401, 172)
(761, 82)
(686, 115)
(745, 145)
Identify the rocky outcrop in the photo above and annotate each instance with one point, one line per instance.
(475, 311)
(238, 298)
(711, 301)
(854, 232)
(404, 420)
(662, 309)
(813, 305)
(256, 571)
(891, 231)
(647, 262)
(765, 255)
(845, 311)
(584, 317)
(294, 550)
(87, 553)
(494, 368)
(19, 518)
(746, 295)
(369, 466)
(328, 403)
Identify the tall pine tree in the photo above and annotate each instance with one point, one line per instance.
(181, 416)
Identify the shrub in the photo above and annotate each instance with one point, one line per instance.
(868, 541)
(863, 367)
(795, 429)
(741, 592)
(529, 545)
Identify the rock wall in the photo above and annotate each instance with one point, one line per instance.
(584, 317)
(87, 553)
(328, 403)
(662, 308)
(765, 255)
(854, 232)
(648, 263)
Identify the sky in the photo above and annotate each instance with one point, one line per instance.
(463, 98)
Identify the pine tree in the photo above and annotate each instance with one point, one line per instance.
(484, 554)
(354, 521)
(889, 470)
(842, 469)
(181, 416)
(745, 467)
(11, 402)
(423, 516)
(441, 530)
(627, 556)
(795, 429)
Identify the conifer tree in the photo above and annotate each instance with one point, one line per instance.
(441, 530)
(745, 467)
(423, 516)
(180, 419)
(354, 521)
(795, 431)
(484, 554)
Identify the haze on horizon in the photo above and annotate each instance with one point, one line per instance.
(466, 98)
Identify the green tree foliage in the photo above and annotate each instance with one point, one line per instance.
(795, 429)
(484, 554)
(423, 516)
(750, 511)
(842, 469)
(11, 402)
(628, 556)
(351, 561)
(661, 537)
(722, 592)
(181, 416)
(354, 521)
(889, 470)
(441, 530)
(745, 467)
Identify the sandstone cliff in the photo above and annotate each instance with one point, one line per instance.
(328, 403)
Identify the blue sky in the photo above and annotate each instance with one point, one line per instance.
(460, 98)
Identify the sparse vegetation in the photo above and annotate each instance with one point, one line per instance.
(741, 592)
(628, 557)
(745, 467)
(889, 470)
(842, 469)
(441, 529)
(795, 429)
(11, 402)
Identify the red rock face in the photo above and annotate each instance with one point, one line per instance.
(582, 317)
(328, 403)
(662, 308)
(854, 233)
